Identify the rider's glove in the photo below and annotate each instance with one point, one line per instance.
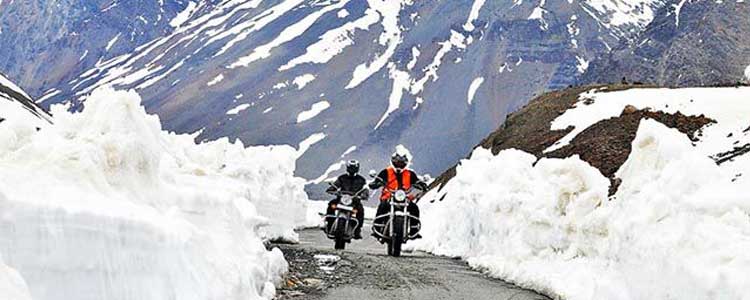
(374, 185)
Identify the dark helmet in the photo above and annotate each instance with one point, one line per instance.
(399, 160)
(352, 167)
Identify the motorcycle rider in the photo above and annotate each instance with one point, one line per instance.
(351, 182)
(397, 176)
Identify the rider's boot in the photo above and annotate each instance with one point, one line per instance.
(357, 234)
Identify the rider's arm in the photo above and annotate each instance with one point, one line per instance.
(380, 180)
(335, 187)
(418, 183)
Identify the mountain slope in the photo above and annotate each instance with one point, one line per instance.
(348, 78)
(691, 43)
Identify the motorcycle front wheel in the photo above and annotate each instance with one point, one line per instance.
(394, 245)
(340, 231)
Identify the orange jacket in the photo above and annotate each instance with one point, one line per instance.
(392, 183)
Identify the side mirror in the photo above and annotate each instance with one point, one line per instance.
(373, 174)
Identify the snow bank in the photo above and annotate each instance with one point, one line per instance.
(105, 205)
(666, 234)
(12, 286)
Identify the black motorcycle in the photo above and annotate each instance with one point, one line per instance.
(399, 226)
(340, 226)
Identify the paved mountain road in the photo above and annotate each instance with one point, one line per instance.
(363, 271)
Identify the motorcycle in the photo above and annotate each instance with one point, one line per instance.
(340, 226)
(399, 224)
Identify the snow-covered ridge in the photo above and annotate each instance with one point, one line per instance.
(727, 106)
(17, 106)
(678, 226)
(112, 193)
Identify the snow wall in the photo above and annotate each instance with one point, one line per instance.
(104, 204)
(678, 227)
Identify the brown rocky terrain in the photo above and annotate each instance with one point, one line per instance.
(605, 145)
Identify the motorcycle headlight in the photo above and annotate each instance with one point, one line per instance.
(400, 195)
(346, 200)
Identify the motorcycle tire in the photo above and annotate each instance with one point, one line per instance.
(340, 232)
(394, 247)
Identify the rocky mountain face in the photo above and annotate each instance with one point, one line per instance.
(46, 44)
(339, 79)
(605, 145)
(689, 43)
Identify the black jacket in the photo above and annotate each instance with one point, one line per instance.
(348, 183)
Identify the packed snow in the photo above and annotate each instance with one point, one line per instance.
(315, 110)
(677, 228)
(12, 285)
(134, 212)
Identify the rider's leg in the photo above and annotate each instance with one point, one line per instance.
(383, 208)
(413, 210)
(361, 218)
(330, 211)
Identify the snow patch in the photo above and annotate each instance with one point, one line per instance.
(582, 64)
(112, 42)
(333, 42)
(302, 80)
(327, 174)
(216, 80)
(288, 34)
(473, 14)
(349, 151)
(473, 89)
(414, 58)
(389, 11)
(315, 110)
(238, 109)
(309, 142)
(184, 15)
